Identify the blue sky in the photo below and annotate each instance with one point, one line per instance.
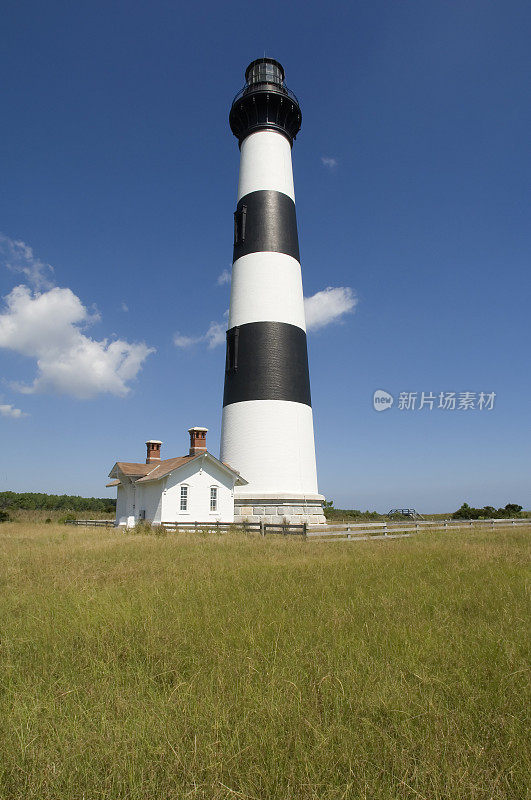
(412, 178)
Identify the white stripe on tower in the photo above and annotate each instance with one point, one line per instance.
(266, 286)
(265, 163)
(267, 425)
(271, 442)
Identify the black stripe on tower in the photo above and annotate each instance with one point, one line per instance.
(265, 221)
(266, 361)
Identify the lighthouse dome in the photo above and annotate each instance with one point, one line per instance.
(265, 102)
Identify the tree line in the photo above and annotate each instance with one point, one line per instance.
(39, 501)
(487, 512)
(465, 512)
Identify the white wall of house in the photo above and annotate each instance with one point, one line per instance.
(125, 503)
(161, 500)
(149, 500)
(121, 505)
(199, 476)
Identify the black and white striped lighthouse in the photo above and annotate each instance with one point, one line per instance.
(267, 425)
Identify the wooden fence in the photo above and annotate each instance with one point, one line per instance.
(355, 531)
(263, 528)
(381, 530)
(282, 528)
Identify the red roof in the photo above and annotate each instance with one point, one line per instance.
(165, 467)
(142, 473)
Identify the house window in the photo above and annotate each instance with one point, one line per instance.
(213, 498)
(184, 498)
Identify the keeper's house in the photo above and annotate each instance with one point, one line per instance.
(193, 488)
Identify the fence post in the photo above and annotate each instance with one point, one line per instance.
(385, 528)
(262, 530)
(304, 529)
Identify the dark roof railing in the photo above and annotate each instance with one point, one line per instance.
(250, 88)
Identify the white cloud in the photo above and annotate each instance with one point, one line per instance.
(124, 307)
(328, 305)
(19, 257)
(185, 341)
(224, 277)
(321, 309)
(47, 326)
(214, 337)
(329, 162)
(216, 334)
(11, 411)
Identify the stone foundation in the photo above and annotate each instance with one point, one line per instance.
(275, 510)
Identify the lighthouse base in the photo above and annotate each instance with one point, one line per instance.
(277, 508)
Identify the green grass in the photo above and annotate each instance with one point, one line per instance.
(137, 667)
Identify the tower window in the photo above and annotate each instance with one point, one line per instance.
(231, 361)
(240, 219)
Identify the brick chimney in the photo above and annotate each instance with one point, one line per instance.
(197, 440)
(153, 451)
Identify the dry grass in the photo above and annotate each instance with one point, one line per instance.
(188, 666)
(39, 516)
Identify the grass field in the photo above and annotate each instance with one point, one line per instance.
(37, 516)
(136, 667)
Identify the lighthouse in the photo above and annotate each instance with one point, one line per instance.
(267, 423)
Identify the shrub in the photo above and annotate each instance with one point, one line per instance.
(346, 514)
(142, 528)
(67, 518)
(4, 516)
